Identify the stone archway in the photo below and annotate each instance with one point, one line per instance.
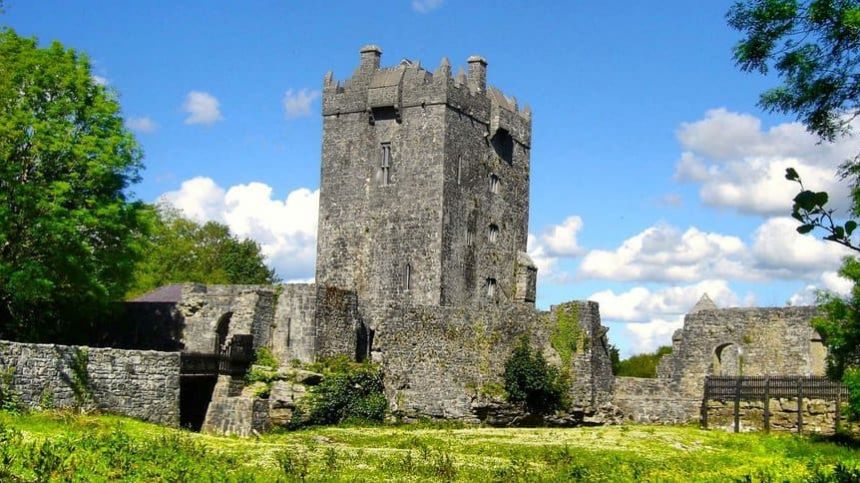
(727, 360)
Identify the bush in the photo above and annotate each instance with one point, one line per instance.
(356, 393)
(529, 380)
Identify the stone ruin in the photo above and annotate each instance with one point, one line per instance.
(422, 268)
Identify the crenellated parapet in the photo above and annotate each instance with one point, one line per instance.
(407, 84)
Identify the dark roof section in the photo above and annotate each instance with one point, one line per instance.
(168, 293)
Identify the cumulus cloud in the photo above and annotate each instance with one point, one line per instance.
(556, 242)
(202, 108)
(829, 282)
(647, 318)
(663, 253)
(742, 166)
(560, 240)
(298, 103)
(141, 124)
(780, 252)
(425, 6)
(285, 229)
(102, 81)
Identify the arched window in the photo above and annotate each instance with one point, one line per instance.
(491, 287)
(493, 233)
(385, 163)
(494, 184)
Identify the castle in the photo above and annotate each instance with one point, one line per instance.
(421, 268)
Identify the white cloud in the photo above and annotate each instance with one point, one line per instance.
(649, 317)
(102, 81)
(780, 252)
(425, 6)
(641, 304)
(202, 108)
(663, 253)
(286, 229)
(560, 240)
(141, 124)
(742, 166)
(829, 281)
(298, 103)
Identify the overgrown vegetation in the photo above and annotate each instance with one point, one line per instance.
(567, 338)
(79, 379)
(10, 400)
(349, 392)
(641, 365)
(62, 446)
(263, 370)
(530, 381)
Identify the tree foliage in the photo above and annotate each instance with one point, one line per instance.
(530, 381)
(641, 365)
(181, 250)
(69, 234)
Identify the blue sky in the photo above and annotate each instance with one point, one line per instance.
(655, 177)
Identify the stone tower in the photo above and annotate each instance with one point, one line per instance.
(424, 190)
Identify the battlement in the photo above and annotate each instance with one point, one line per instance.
(377, 90)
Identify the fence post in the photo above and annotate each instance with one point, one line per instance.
(738, 404)
(800, 405)
(838, 407)
(767, 404)
(704, 410)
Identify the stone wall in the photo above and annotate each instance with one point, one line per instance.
(445, 362)
(653, 401)
(231, 413)
(294, 327)
(819, 416)
(749, 341)
(139, 384)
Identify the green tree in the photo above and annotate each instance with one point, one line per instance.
(68, 232)
(530, 381)
(642, 365)
(181, 250)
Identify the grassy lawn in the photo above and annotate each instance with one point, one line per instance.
(64, 446)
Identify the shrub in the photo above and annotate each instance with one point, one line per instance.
(529, 380)
(355, 393)
(9, 397)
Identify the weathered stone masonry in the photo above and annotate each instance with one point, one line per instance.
(140, 384)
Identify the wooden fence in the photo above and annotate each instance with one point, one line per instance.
(763, 388)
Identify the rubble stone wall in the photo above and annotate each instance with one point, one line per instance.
(139, 384)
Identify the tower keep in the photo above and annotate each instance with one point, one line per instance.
(424, 190)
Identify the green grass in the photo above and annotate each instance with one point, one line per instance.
(67, 447)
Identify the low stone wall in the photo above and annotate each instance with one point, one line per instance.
(819, 416)
(232, 414)
(653, 401)
(140, 384)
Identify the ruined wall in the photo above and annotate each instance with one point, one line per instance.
(445, 362)
(339, 328)
(818, 415)
(653, 401)
(294, 327)
(245, 309)
(749, 341)
(139, 384)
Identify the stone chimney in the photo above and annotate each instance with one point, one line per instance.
(477, 74)
(370, 55)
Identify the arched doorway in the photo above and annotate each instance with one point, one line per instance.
(727, 360)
